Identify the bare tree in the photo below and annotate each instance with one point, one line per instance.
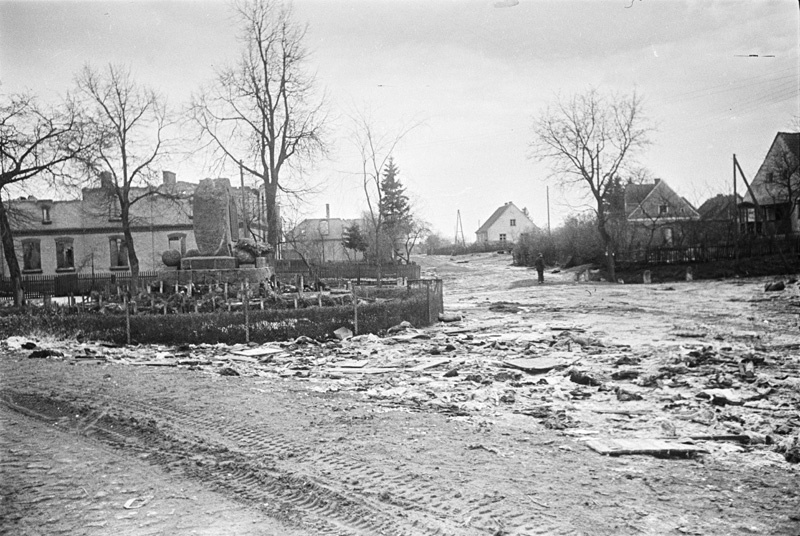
(262, 112)
(589, 139)
(414, 231)
(126, 123)
(35, 141)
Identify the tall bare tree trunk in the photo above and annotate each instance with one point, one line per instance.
(133, 259)
(601, 227)
(273, 218)
(11, 257)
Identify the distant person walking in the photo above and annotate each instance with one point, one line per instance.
(540, 267)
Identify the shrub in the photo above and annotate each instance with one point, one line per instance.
(222, 326)
(171, 257)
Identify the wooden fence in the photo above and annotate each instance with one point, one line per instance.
(789, 245)
(72, 284)
(287, 270)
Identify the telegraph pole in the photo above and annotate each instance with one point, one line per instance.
(548, 209)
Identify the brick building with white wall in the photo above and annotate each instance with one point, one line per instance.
(85, 235)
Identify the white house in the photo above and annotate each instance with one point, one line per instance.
(506, 224)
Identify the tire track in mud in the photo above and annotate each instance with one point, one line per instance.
(242, 462)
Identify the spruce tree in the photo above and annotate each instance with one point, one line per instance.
(394, 208)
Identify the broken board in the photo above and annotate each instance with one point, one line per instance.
(360, 370)
(353, 363)
(257, 352)
(429, 364)
(535, 365)
(652, 447)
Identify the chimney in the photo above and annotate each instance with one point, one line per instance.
(327, 211)
(656, 181)
(105, 179)
(169, 178)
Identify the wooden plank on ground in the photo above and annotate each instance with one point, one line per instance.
(535, 365)
(652, 447)
(258, 352)
(353, 363)
(429, 364)
(365, 370)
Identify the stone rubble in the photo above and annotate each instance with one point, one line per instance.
(729, 396)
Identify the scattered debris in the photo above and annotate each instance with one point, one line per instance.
(651, 447)
(449, 317)
(774, 286)
(137, 502)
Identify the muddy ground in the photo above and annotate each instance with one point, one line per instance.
(427, 431)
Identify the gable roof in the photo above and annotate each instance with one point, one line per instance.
(641, 193)
(765, 191)
(635, 194)
(721, 207)
(496, 216)
(336, 227)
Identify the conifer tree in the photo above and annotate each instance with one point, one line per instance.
(394, 208)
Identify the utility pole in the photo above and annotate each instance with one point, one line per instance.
(460, 229)
(735, 201)
(756, 209)
(548, 209)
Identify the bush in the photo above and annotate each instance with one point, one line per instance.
(577, 241)
(222, 326)
(171, 257)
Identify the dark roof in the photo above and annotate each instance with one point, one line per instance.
(494, 217)
(792, 141)
(720, 207)
(765, 191)
(635, 194)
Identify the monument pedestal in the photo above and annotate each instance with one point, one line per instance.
(208, 263)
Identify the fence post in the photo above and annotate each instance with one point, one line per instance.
(440, 287)
(246, 312)
(428, 300)
(127, 319)
(355, 309)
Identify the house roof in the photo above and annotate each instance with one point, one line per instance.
(720, 207)
(635, 194)
(496, 216)
(636, 207)
(766, 191)
(336, 227)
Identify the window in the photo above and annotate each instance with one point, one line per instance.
(119, 252)
(114, 213)
(46, 215)
(770, 176)
(663, 209)
(177, 241)
(31, 256)
(502, 237)
(513, 223)
(65, 255)
(667, 232)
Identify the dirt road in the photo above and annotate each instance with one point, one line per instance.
(469, 448)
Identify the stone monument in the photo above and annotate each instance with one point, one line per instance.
(216, 231)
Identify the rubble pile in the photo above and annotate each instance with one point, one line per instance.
(715, 397)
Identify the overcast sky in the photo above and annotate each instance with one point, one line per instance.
(474, 73)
